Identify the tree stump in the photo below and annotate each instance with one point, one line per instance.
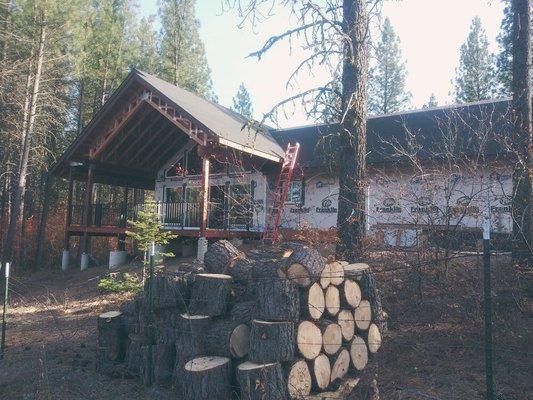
(309, 340)
(189, 343)
(241, 270)
(209, 295)
(350, 293)
(163, 362)
(358, 353)
(227, 338)
(312, 302)
(169, 291)
(320, 372)
(207, 378)
(340, 364)
(299, 381)
(362, 315)
(277, 300)
(129, 316)
(305, 266)
(271, 341)
(261, 381)
(333, 300)
(220, 256)
(147, 366)
(331, 336)
(244, 312)
(111, 337)
(347, 324)
(134, 356)
(355, 271)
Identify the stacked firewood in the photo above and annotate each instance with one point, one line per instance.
(266, 327)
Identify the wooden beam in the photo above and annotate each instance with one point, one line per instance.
(127, 134)
(173, 115)
(147, 135)
(164, 143)
(69, 209)
(87, 205)
(204, 196)
(166, 154)
(113, 129)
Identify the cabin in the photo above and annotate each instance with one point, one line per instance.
(213, 173)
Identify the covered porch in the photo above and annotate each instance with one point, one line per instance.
(139, 134)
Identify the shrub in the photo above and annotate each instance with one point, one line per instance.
(120, 283)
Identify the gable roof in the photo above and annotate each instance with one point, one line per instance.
(228, 125)
(474, 126)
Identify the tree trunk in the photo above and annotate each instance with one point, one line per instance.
(220, 257)
(523, 141)
(305, 266)
(163, 362)
(351, 216)
(370, 291)
(27, 138)
(278, 300)
(271, 341)
(261, 381)
(41, 237)
(207, 378)
(111, 337)
(134, 355)
(244, 312)
(227, 339)
(209, 294)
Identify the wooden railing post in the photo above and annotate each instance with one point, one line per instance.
(87, 207)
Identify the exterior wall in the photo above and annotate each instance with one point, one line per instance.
(407, 202)
(257, 182)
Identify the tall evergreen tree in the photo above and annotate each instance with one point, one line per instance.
(475, 78)
(504, 60)
(387, 77)
(242, 102)
(183, 56)
(432, 102)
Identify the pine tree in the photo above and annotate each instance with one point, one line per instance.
(183, 56)
(387, 78)
(432, 102)
(242, 102)
(475, 78)
(504, 60)
(145, 56)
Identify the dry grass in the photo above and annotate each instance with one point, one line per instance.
(434, 349)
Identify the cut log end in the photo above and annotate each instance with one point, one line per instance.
(309, 340)
(321, 372)
(374, 338)
(358, 353)
(347, 324)
(351, 293)
(299, 380)
(298, 274)
(315, 301)
(341, 365)
(333, 300)
(332, 338)
(363, 315)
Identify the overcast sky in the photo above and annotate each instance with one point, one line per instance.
(431, 32)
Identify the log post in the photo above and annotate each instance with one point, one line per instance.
(305, 266)
(207, 378)
(227, 338)
(261, 381)
(209, 294)
(278, 300)
(87, 209)
(204, 202)
(271, 341)
(111, 337)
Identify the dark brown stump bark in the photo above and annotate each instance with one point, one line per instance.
(207, 378)
(261, 381)
(227, 339)
(111, 338)
(220, 256)
(244, 312)
(305, 266)
(209, 294)
(147, 365)
(134, 356)
(169, 291)
(163, 362)
(277, 300)
(271, 342)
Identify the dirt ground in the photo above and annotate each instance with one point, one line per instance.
(434, 349)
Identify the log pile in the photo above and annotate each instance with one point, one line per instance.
(269, 327)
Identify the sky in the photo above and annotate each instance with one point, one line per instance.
(431, 33)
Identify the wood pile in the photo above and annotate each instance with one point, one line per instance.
(269, 327)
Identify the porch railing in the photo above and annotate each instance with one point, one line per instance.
(173, 215)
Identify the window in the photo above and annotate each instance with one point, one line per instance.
(295, 192)
(173, 195)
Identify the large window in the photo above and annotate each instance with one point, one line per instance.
(295, 192)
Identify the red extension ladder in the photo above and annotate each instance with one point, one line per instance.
(280, 192)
